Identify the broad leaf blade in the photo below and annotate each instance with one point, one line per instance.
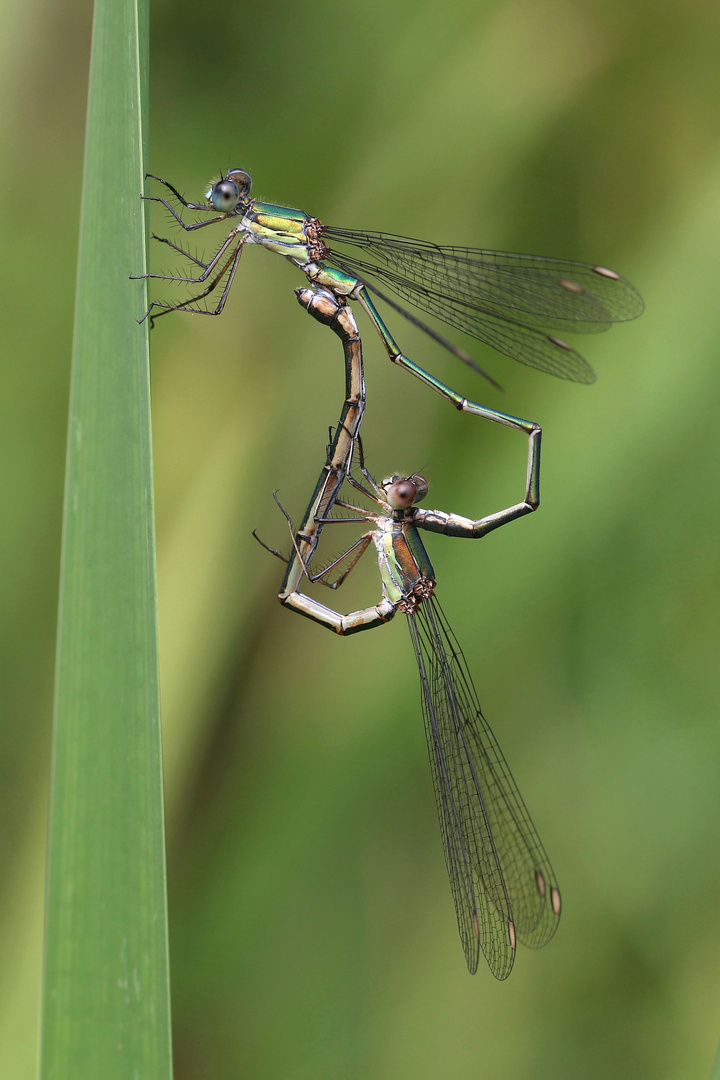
(106, 999)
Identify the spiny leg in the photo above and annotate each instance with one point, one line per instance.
(176, 247)
(362, 515)
(184, 306)
(360, 546)
(370, 479)
(272, 550)
(188, 228)
(319, 578)
(180, 198)
(209, 267)
(203, 208)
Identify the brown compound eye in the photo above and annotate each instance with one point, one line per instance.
(241, 179)
(402, 494)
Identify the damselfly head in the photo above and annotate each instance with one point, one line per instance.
(402, 492)
(229, 191)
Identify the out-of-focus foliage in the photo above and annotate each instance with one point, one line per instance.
(312, 930)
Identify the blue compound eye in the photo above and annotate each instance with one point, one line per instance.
(224, 196)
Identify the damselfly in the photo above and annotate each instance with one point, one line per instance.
(502, 882)
(508, 301)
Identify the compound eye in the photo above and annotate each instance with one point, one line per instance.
(241, 179)
(402, 494)
(224, 196)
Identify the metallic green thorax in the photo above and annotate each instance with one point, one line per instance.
(279, 228)
(295, 234)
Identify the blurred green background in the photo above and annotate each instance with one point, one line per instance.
(312, 931)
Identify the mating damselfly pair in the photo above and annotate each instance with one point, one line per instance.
(502, 882)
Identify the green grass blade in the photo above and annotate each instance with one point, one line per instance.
(106, 999)
(715, 1073)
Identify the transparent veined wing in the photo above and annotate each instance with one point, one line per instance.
(507, 300)
(502, 882)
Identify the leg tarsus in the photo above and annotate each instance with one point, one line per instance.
(268, 548)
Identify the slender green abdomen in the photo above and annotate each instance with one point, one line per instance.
(337, 280)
